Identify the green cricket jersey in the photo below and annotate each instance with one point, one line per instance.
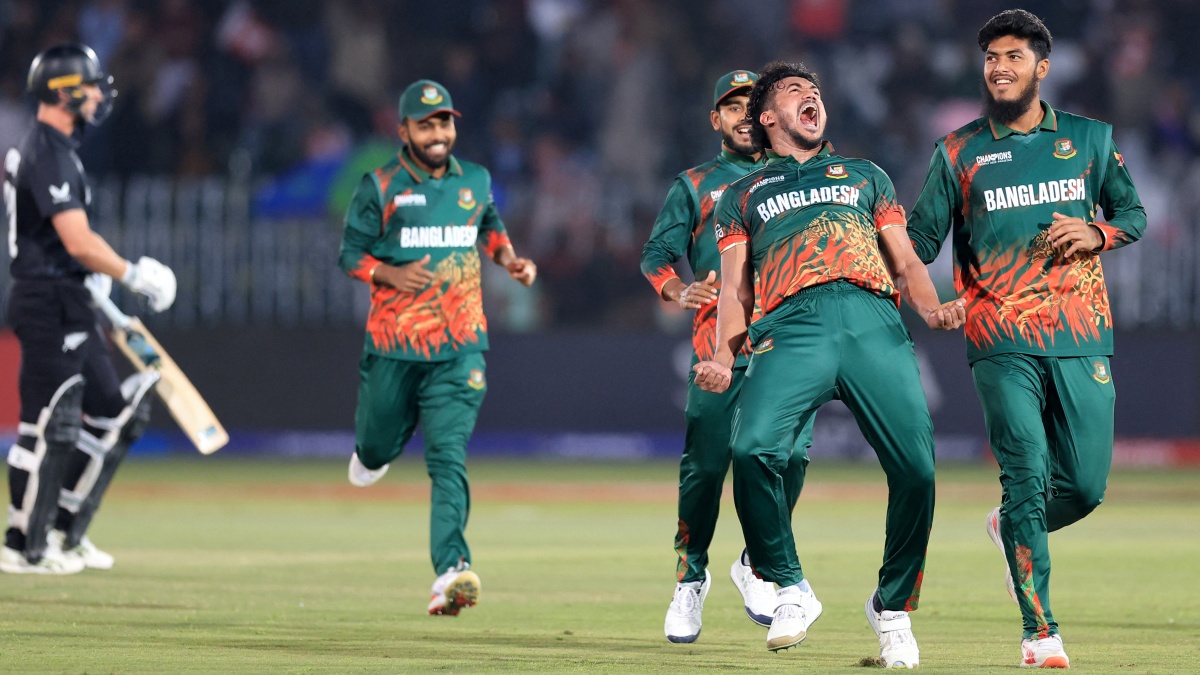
(996, 189)
(400, 213)
(811, 223)
(685, 226)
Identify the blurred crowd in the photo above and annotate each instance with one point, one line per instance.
(584, 110)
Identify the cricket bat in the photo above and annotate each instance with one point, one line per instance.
(174, 388)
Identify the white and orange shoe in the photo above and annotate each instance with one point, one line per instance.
(993, 530)
(458, 587)
(1046, 652)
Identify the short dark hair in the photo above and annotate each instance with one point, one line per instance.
(1020, 24)
(760, 96)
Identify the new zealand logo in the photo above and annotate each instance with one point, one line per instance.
(764, 346)
(836, 171)
(476, 380)
(741, 79)
(1100, 373)
(466, 198)
(431, 96)
(1064, 148)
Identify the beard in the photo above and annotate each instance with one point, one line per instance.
(1007, 112)
(428, 161)
(804, 143)
(734, 143)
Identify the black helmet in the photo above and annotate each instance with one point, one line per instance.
(64, 68)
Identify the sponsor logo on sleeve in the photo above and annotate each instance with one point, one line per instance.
(1064, 148)
(60, 194)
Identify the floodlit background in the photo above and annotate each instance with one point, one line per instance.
(242, 127)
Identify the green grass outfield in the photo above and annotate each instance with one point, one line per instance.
(227, 565)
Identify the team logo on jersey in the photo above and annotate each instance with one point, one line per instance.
(741, 79)
(466, 198)
(1100, 373)
(764, 346)
(1064, 148)
(1120, 159)
(431, 96)
(836, 171)
(475, 380)
(60, 194)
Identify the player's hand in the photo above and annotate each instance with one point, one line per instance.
(410, 277)
(712, 376)
(699, 293)
(152, 279)
(523, 270)
(98, 284)
(948, 316)
(1071, 235)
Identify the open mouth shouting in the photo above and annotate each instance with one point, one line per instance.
(809, 118)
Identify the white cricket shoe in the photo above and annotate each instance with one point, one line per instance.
(1044, 653)
(456, 588)
(797, 608)
(683, 616)
(92, 557)
(897, 646)
(14, 562)
(361, 475)
(993, 530)
(758, 595)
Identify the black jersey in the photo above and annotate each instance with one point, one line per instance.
(42, 178)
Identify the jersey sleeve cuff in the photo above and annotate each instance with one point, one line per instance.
(890, 217)
(494, 241)
(730, 240)
(659, 278)
(362, 270)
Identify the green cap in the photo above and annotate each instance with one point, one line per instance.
(731, 82)
(424, 98)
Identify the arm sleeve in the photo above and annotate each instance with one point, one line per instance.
(492, 233)
(670, 237)
(936, 210)
(362, 228)
(56, 185)
(887, 211)
(1122, 207)
(730, 223)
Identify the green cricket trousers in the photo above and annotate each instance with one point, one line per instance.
(444, 396)
(1050, 425)
(835, 341)
(702, 469)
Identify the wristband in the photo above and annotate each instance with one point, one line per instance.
(371, 273)
(129, 273)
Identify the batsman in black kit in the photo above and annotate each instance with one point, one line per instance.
(77, 419)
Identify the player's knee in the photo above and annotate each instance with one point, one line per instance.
(65, 417)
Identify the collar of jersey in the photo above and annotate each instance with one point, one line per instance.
(737, 158)
(69, 141)
(421, 175)
(1049, 123)
(776, 158)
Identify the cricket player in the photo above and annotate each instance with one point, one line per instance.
(1022, 189)
(819, 241)
(685, 227)
(412, 233)
(77, 419)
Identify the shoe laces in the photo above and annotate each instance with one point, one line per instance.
(789, 612)
(686, 600)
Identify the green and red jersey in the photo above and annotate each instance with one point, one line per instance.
(685, 227)
(811, 223)
(997, 189)
(400, 213)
